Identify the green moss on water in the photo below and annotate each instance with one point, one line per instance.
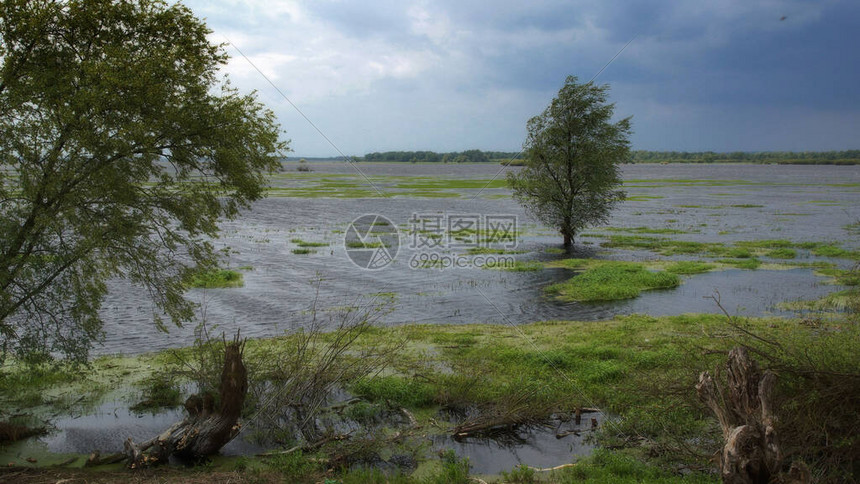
(611, 280)
(303, 251)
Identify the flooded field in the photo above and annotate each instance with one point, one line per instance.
(761, 240)
(714, 204)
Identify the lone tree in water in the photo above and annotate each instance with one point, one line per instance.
(120, 148)
(571, 176)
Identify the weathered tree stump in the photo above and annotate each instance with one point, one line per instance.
(744, 408)
(205, 430)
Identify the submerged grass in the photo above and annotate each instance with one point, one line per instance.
(514, 266)
(304, 243)
(492, 250)
(783, 253)
(836, 301)
(648, 230)
(609, 281)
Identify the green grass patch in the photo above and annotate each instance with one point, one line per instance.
(395, 390)
(611, 280)
(832, 250)
(689, 267)
(217, 278)
(737, 253)
(782, 254)
(606, 467)
(303, 251)
(749, 263)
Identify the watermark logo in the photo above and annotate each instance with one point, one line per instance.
(371, 241)
(462, 231)
(462, 240)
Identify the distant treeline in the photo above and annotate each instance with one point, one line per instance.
(850, 157)
(468, 156)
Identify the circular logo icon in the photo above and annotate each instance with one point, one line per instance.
(371, 241)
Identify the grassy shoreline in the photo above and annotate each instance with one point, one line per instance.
(639, 368)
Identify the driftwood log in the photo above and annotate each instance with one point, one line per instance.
(206, 429)
(744, 408)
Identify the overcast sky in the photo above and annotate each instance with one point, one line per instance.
(451, 75)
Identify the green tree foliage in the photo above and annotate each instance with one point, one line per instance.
(572, 151)
(120, 149)
(468, 156)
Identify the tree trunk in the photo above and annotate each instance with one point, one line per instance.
(205, 430)
(751, 453)
(568, 240)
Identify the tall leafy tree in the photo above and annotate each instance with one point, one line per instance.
(120, 148)
(571, 176)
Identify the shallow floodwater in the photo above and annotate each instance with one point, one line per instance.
(714, 203)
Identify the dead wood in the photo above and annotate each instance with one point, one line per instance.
(744, 408)
(206, 429)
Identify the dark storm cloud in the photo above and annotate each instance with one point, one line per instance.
(699, 75)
